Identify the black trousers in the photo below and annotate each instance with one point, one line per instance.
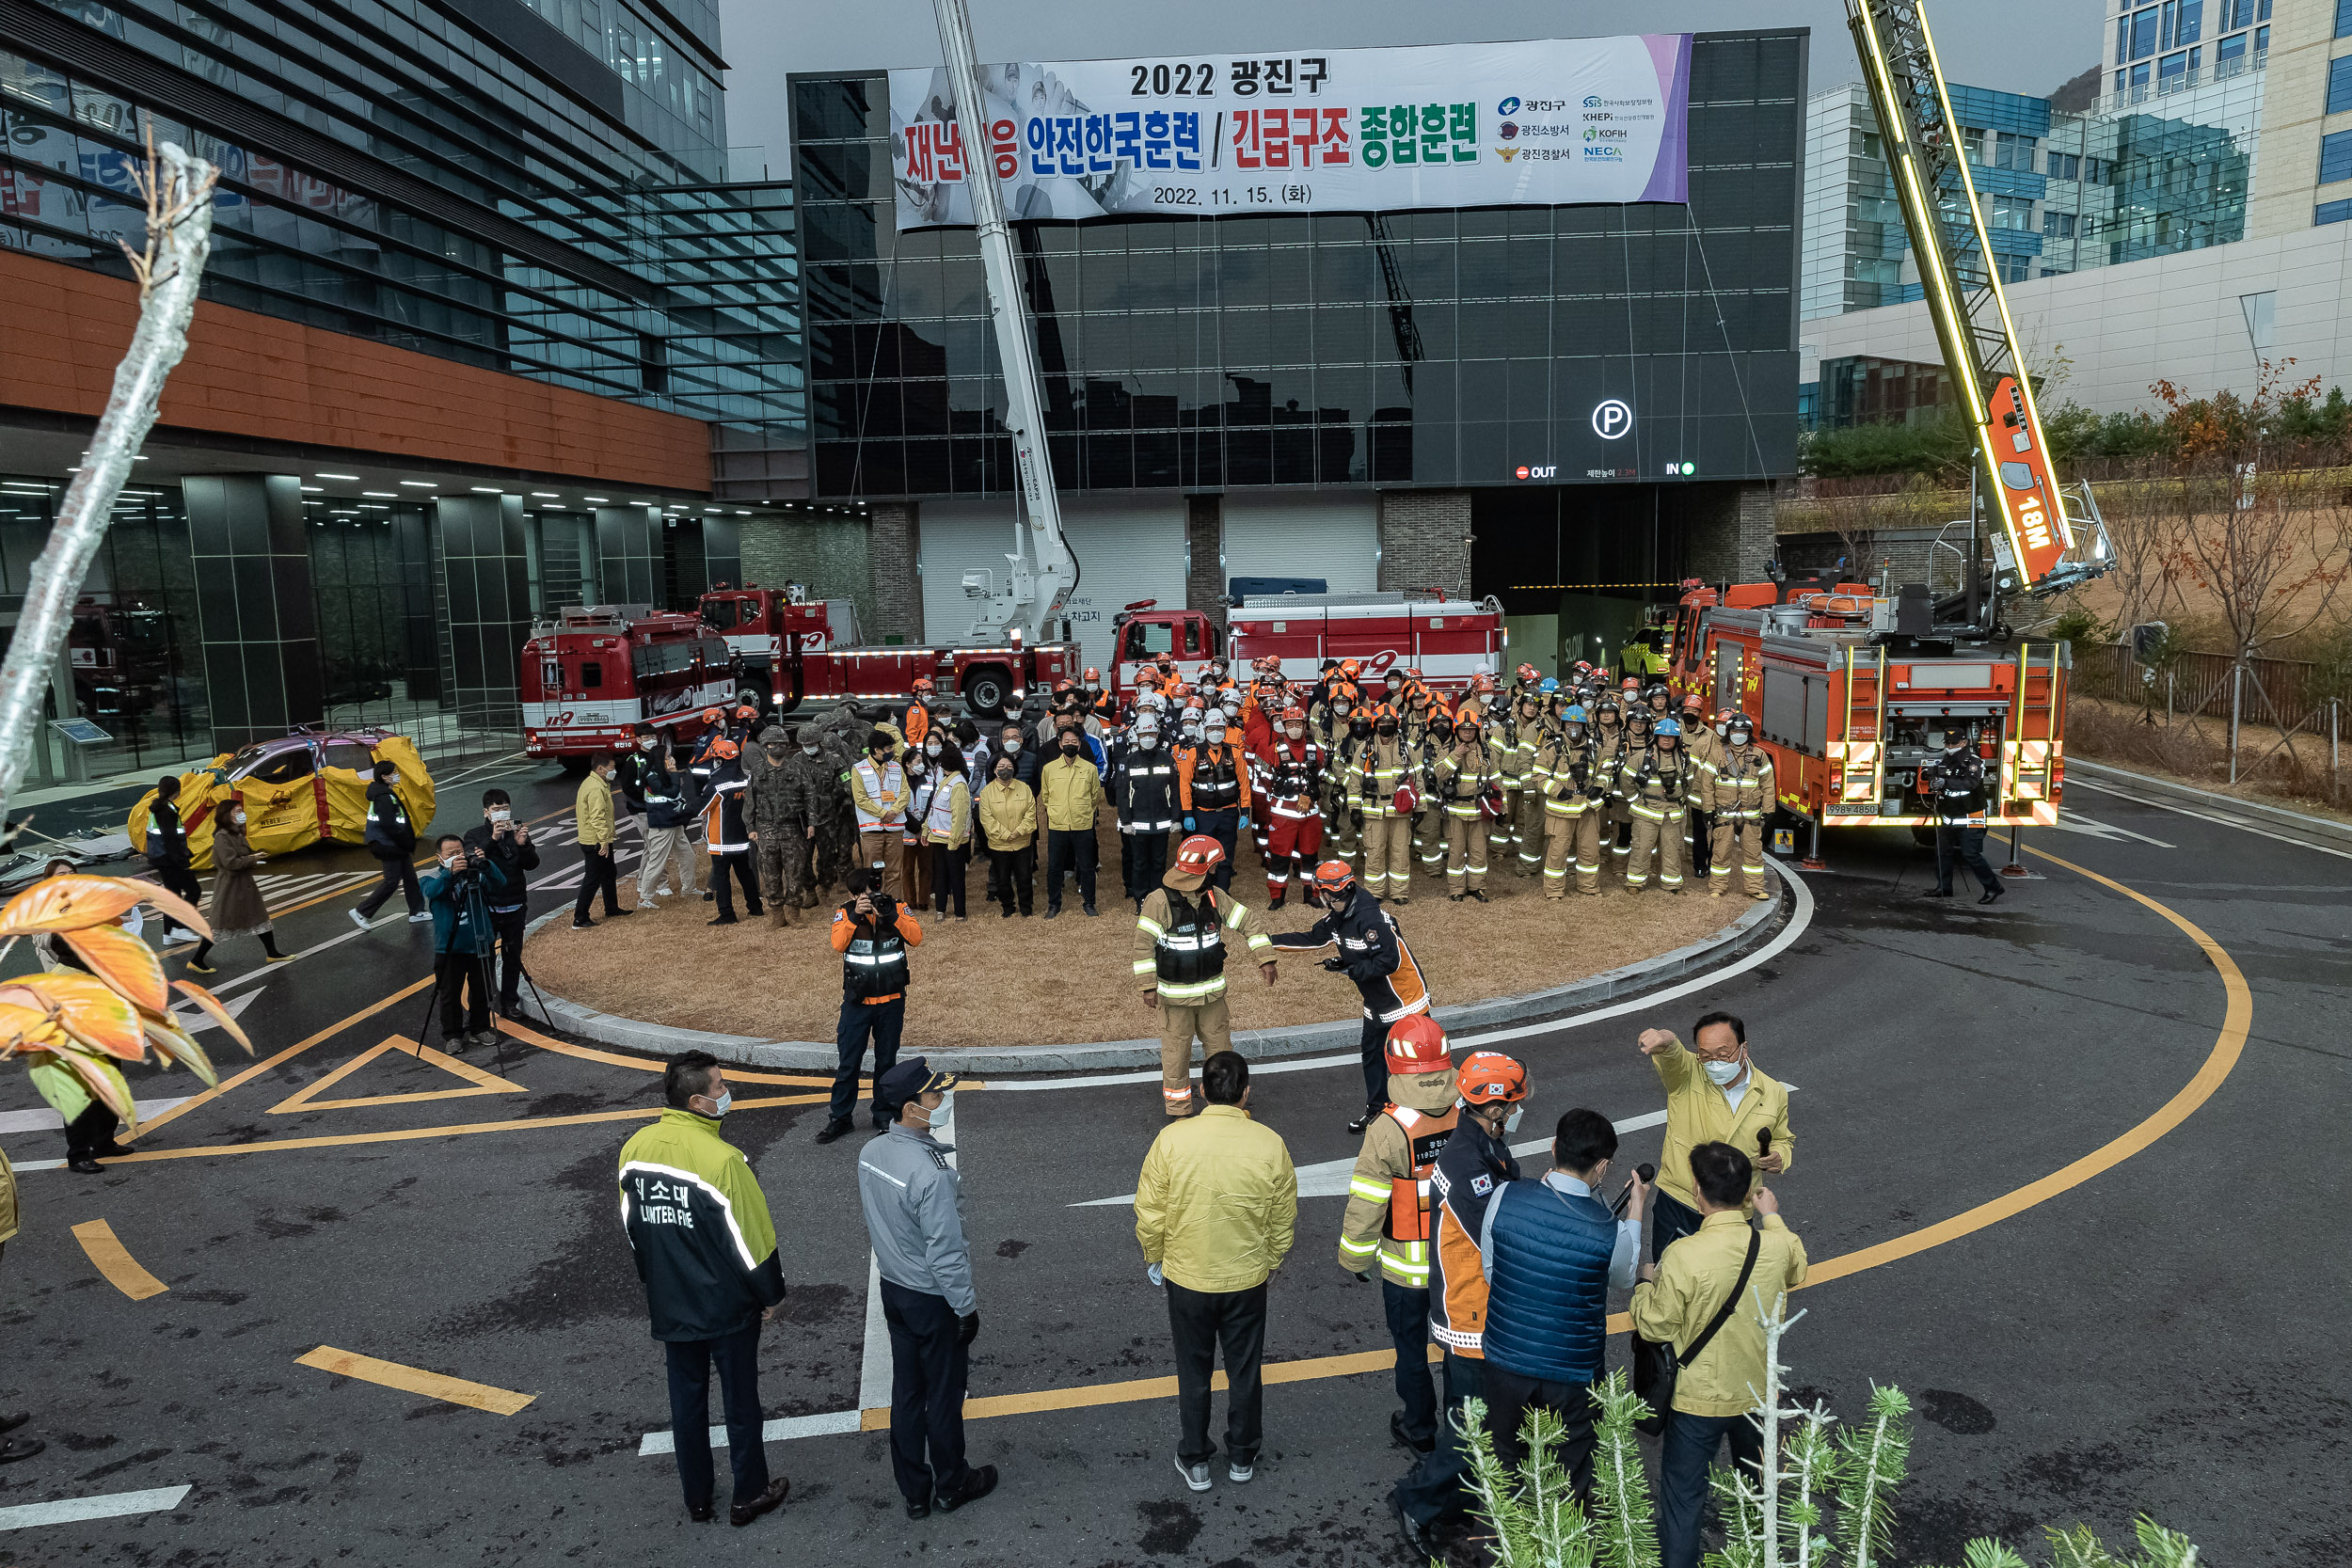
(947, 872)
(90, 1131)
(508, 927)
(180, 880)
(928, 1374)
(1407, 1313)
(1010, 872)
(861, 1022)
(1204, 1322)
(1702, 842)
(596, 871)
(737, 1356)
(462, 973)
(397, 876)
(1671, 1219)
(1142, 860)
(1510, 1396)
(740, 864)
(1958, 841)
(1684, 1456)
(1067, 850)
(1374, 1047)
(1436, 1485)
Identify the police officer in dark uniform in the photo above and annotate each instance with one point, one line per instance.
(1955, 783)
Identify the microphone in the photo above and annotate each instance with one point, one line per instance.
(1763, 1143)
(1647, 1173)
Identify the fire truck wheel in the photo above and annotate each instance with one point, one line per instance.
(986, 691)
(748, 692)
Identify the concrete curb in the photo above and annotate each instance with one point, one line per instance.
(2229, 808)
(1754, 927)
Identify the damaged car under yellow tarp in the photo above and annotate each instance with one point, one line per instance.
(309, 786)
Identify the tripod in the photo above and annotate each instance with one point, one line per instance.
(474, 914)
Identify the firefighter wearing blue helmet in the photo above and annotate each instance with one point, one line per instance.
(1577, 773)
(1658, 789)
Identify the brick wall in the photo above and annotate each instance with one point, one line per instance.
(1425, 540)
(830, 555)
(1730, 534)
(255, 375)
(1205, 555)
(895, 546)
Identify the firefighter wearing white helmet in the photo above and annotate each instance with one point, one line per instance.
(1658, 793)
(1388, 1210)
(1182, 935)
(1577, 777)
(1739, 793)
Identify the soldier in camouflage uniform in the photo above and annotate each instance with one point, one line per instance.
(779, 836)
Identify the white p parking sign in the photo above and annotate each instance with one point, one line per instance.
(1611, 418)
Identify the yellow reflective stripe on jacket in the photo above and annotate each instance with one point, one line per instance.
(1153, 927)
(1199, 991)
(1368, 1190)
(1145, 966)
(1358, 1250)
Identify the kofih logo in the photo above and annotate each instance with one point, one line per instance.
(1594, 132)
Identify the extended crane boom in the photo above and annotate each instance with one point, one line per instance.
(1043, 570)
(2054, 549)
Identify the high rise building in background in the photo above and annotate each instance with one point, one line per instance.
(2183, 210)
(488, 328)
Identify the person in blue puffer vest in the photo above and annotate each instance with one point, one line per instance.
(1553, 1252)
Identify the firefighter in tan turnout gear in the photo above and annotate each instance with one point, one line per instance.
(1739, 793)
(1388, 1211)
(1384, 762)
(1657, 789)
(1183, 934)
(1577, 779)
(1463, 776)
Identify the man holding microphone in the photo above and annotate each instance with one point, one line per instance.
(1715, 1094)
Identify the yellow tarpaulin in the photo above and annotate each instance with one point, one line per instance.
(329, 803)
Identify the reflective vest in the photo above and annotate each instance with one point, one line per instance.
(1455, 778)
(886, 787)
(875, 965)
(1291, 777)
(723, 831)
(940, 818)
(1189, 955)
(1379, 766)
(1216, 782)
(1405, 1234)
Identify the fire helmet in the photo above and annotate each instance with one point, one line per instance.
(1418, 1045)
(1489, 1078)
(1333, 876)
(1199, 855)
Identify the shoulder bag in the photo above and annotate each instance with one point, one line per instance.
(1655, 1364)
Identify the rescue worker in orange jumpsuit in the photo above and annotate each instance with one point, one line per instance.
(1388, 1211)
(1290, 766)
(1213, 790)
(918, 720)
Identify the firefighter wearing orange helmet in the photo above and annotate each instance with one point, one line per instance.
(1384, 793)
(1184, 933)
(918, 720)
(1290, 766)
(1388, 1210)
(1371, 952)
(1466, 787)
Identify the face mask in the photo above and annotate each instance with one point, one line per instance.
(1069, 748)
(775, 753)
(1387, 729)
(502, 814)
(645, 745)
(808, 749)
(1297, 732)
(725, 1102)
(882, 759)
(1013, 745)
(1214, 734)
(930, 748)
(1721, 1073)
(1511, 1122)
(943, 1112)
(1004, 775)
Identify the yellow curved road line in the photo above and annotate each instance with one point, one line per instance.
(115, 1261)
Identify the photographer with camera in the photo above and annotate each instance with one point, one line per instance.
(872, 933)
(460, 891)
(1954, 781)
(506, 845)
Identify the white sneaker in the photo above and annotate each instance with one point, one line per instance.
(357, 919)
(422, 917)
(1195, 1476)
(661, 892)
(1238, 1471)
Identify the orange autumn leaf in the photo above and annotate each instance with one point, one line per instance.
(176, 1046)
(174, 905)
(25, 1030)
(124, 962)
(67, 903)
(85, 1008)
(219, 1014)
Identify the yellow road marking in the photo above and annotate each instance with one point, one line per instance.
(2237, 1019)
(268, 1062)
(479, 1081)
(115, 1261)
(415, 1380)
(643, 1064)
(407, 1135)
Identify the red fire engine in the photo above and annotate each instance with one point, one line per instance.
(1852, 693)
(599, 670)
(1449, 641)
(790, 650)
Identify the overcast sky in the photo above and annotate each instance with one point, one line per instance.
(2021, 45)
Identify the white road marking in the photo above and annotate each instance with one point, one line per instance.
(831, 1424)
(111, 1505)
(2091, 827)
(47, 1120)
(1796, 927)
(2208, 817)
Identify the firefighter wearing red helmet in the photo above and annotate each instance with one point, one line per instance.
(1471, 1171)
(1184, 934)
(1371, 952)
(1388, 1210)
(1290, 766)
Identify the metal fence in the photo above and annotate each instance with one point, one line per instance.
(2280, 692)
(2274, 723)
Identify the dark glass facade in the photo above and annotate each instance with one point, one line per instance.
(1439, 348)
(539, 189)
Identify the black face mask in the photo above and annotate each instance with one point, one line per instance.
(1068, 751)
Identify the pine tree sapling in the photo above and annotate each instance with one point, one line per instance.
(1873, 1461)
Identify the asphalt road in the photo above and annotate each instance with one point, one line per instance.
(2162, 1336)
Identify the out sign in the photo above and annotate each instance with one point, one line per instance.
(1546, 471)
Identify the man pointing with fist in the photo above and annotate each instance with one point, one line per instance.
(1715, 1093)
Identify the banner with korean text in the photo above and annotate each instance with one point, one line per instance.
(1541, 123)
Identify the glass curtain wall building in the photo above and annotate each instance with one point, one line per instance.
(535, 189)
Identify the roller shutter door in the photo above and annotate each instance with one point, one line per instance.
(1336, 538)
(1126, 552)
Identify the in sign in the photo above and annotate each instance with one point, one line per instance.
(1611, 418)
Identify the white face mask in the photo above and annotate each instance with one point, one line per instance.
(725, 1102)
(943, 1112)
(1721, 1073)
(930, 748)
(1012, 745)
(1511, 1122)
(646, 745)
(807, 749)
(1215, 734)
(1297, 732)
(500, 813)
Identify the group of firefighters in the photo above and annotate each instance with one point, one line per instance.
(1388, 774)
